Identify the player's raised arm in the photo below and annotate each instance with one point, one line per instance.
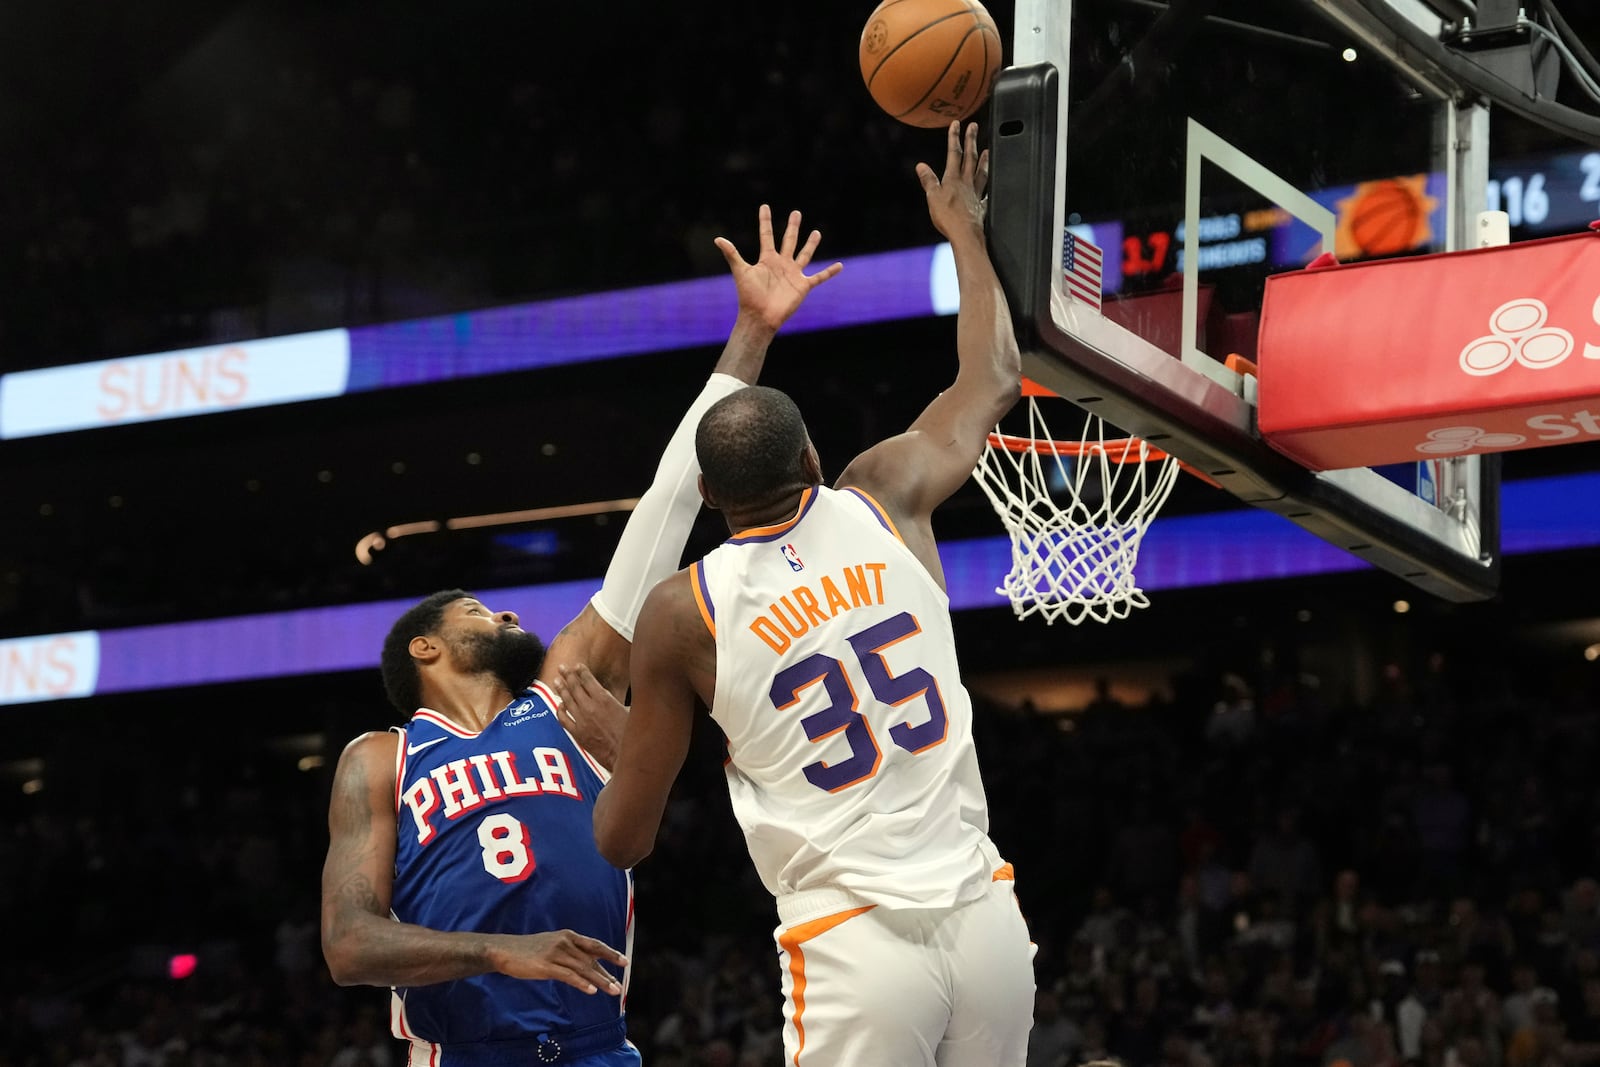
(769, 290)
(915, 472)
(675, 653)
(363, 945)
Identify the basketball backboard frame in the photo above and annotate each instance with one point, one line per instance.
(1193, 406)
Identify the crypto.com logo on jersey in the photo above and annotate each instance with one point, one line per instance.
(1487, 350)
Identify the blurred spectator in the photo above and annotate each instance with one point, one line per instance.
(1516, 1010)
(1581, 911)
(1443, 820)
(1140, 1028)
(1233, 716)
(1539, 1042)
(1583, 1030)
(1284, 862)
(1144, 855)
(1482, 940)
(1083, 985)
(367, 1043)
(1055, 1039)
(1423, 1001)
(1106, 927)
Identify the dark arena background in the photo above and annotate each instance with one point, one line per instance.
(1287, 816)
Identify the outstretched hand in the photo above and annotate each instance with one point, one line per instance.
(589, 712)
(955, 200)
(776, 284)
(561, 956)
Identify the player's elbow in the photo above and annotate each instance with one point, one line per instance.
(342, 954)
(623, 850)
(995, 391)
(622, 846)
(1008, 390)
(341, 967)
(623, 857)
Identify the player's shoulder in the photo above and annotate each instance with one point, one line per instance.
(374, 744)
(675, 602)
(368, 761)
(876, 476)
(874, 469)
(675, 593)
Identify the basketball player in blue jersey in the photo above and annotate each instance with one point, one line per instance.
(461, 867)
(819, 636)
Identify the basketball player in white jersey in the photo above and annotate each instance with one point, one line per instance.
(462, 870)
(820, 638)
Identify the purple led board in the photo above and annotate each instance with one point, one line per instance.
(1180, 552)
(280, 370)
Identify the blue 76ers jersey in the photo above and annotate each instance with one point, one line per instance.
(496, 835)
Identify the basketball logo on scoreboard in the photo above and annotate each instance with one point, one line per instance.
(790, 554)
(1385, 217)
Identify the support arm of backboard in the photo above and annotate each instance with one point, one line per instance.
(1409, 40)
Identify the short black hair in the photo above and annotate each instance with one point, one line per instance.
(401, 679)
(752, 447)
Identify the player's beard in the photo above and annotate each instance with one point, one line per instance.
(513, 656)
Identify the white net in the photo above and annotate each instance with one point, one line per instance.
(1076, 512)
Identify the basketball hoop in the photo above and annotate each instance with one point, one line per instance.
(1076, 512)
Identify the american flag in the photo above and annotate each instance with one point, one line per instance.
(1080, 260)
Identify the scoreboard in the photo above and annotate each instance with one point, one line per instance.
(1393, 215)
(1547, 194)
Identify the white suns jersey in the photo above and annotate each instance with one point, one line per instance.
(849, 732)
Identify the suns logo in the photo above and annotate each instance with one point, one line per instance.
(793, 556)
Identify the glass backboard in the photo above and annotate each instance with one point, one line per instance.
(1203, 148)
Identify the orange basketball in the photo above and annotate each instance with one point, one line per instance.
(927, 62)
(1385, 218)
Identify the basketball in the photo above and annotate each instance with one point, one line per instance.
(1385, 217)
(928, 62)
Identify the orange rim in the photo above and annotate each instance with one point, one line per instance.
(1121, 450)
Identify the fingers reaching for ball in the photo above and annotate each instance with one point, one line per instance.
(955, 200)
(962, 155)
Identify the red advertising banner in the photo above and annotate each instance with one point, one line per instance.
(1485, 350)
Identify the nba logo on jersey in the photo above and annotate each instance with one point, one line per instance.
(793, 557)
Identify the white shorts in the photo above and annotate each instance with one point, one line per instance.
(867, 986)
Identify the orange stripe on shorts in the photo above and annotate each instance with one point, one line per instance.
(790, 941)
